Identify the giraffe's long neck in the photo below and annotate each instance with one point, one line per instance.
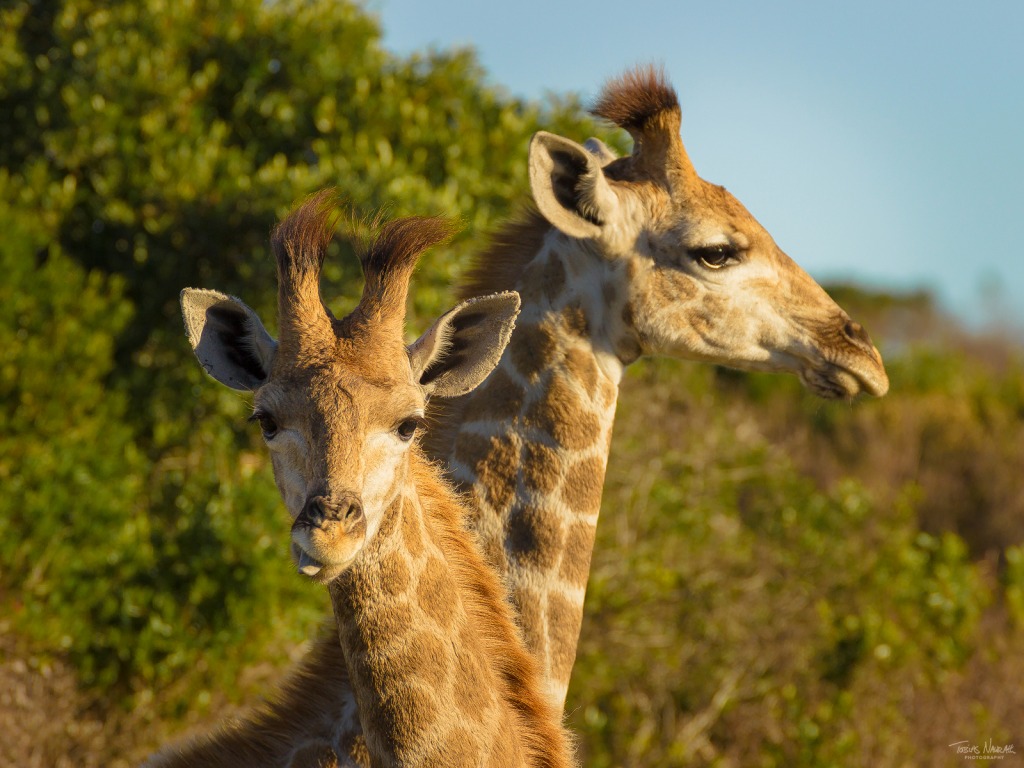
(531, 446)
(426, 695)
(435, 658)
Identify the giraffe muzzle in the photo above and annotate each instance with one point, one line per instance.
(329, 531)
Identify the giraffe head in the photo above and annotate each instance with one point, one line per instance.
(339, 401)
(689, 272)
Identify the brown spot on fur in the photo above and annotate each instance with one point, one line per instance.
(386, 626)
(411, 535)
(470, 447)
(583, 484)
(471, 694)
(564, 619)
(553, 277)
(609, 394)
(394, 574)
(575, 320)
(457, 747)
(561, 414)
(671, 288)
(628, 314)
(533, 349)
(527, 602)
(503, 397)
(582, 367)
(542, 467)
(435, 593)
(714, 306)
(498, 470)
(579, 546)
(427, 655)
(412, 708)
(389, 523)
(535, 536)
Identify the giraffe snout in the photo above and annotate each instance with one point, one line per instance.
(320, 511)
(328, 533)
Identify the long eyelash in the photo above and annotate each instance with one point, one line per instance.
(726, 250)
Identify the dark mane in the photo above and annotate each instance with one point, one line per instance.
(510, 248)
(496, 268)
(632, 100)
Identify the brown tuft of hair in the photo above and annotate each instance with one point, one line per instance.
(632, 100)
(397, 244)
(390, 256)
(300, 241)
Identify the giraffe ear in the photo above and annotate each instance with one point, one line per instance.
(600, 150)
(228, 338)
(569, 187)
(459, 350)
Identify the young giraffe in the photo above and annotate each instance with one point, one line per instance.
(436, 662)
(624, 257)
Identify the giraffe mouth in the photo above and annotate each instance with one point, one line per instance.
(836, 382)
(306, 564)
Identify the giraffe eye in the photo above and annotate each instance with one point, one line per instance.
(407, 429)
(268, 425)
(714, 256)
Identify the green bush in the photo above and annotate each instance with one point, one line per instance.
(738, 612)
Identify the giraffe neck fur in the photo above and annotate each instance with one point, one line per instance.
(532, 443)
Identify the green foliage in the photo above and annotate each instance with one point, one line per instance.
(133, 588)
(738, 613)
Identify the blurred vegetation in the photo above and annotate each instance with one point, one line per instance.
(778, 581)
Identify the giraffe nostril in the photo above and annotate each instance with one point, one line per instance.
(855, 332)
(313, 510)
(351, 510)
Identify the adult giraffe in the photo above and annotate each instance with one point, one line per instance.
(623, 257)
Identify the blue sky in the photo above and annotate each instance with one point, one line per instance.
(878, 141)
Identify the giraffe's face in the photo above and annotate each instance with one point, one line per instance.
(693, 274)
(339, 401)
(705, 281)
(339, 427)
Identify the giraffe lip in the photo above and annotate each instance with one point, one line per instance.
(835, 381)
